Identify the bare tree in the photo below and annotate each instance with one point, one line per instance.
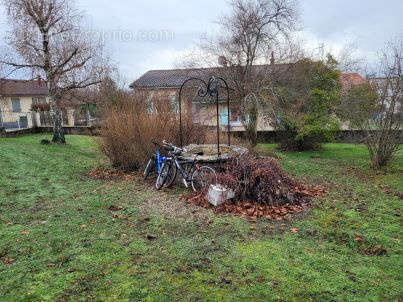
(49, 39)
(2, 71)
(384, 129)
(250, 35)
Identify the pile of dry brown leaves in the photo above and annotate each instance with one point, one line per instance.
(108, 174)
(253, 210)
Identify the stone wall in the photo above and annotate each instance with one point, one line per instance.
(343, 136)
(93, 131)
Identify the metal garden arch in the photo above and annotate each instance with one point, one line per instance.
(211, 88)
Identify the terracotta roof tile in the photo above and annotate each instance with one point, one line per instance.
(22, 88)
(351, 79)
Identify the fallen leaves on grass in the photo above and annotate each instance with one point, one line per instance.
(311, 191)
(250, 210)
(7, 261)
(367, 248)
(107, 174)
(377, 250)
(390, 192)
(253, 210)
(114, 208)
(294, 230)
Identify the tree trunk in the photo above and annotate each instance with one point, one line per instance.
(251, 125)
(58, 132)
(88, 115)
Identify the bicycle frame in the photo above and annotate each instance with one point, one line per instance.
(187, 177)
(160, 159)
(188, 168)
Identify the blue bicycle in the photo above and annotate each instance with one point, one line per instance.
(155, 164)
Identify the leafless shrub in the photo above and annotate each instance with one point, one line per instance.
(384, 143)
(130, 127)
(376, 107)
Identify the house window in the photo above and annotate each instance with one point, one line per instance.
(16, 105)
(236, 118)
(224, 115)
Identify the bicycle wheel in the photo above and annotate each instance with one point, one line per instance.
(203, 177)
(149, 168)
(171, 174)
(163, 175)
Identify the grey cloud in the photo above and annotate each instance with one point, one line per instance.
(367, 22)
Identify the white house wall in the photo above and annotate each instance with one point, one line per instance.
(9, 116)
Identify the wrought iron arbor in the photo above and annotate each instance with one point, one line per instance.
(212, 89)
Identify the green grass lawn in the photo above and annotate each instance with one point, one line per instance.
(59, 240)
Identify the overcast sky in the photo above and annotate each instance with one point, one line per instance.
(144, 35)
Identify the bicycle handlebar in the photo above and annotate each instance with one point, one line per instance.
(168, 146)
(172, 148)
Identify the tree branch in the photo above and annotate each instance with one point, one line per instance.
(19, 66)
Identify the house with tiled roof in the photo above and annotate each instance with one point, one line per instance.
(25, 104)
(165, 84)
(16, 100)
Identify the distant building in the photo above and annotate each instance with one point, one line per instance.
(16, 100)
(165, 84)
(351, 79)
(25, 104)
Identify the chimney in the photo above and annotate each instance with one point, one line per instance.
(39, 79)
(272, 61)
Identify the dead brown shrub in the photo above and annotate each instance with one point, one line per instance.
(263, 181)
(132, 123)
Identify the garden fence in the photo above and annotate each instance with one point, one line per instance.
(11, 120)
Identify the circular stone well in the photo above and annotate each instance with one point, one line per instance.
(210, 152)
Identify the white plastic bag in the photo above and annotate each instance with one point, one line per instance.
(219, 194)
